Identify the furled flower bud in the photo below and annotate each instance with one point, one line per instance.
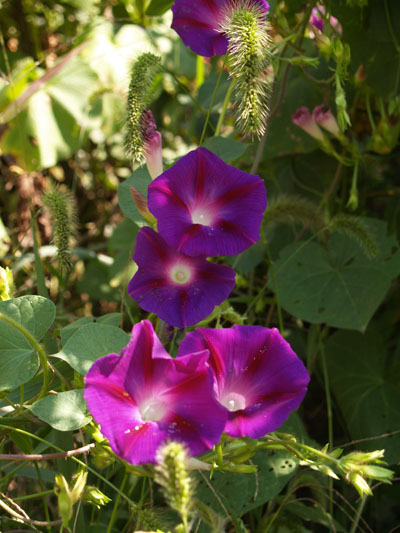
(152, 144)
(323, 117)
(306, 122)
(6, 284)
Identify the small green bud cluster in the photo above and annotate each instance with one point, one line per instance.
(140, 92)
(249, 56)
(67, 496)
(356, 466)
(62, 210)
(173, 476)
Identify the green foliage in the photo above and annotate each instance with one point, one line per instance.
(365, 384)
(317, 272)
(19, 359)
(90, 342)
(65, 411)
(232, 495)
(336, 285)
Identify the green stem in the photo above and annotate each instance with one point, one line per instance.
(276, 289)
(391, 31)
(224, 108)
(41, 284)
(44, 500)
(116, 504)
(42, 356)
(357, 517)
(81, 463)
(32, 496)
(329, 415)
(369, 113)
(212, 104)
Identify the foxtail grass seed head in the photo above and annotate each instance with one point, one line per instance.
(247, 30)
(141, 90)
(173, 476)
(61, 207)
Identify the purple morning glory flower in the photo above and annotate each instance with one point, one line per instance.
(206, 207)
(181, 290)
(143, 398)
(258, 377)
(199, 23)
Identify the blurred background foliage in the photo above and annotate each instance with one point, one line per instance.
(64, 76)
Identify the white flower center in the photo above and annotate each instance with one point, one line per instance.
(152, 410)
(180, 274)
(234, 401)
(201, 216)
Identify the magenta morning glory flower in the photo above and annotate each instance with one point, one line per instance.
(181, 290)
(143, 398)
(199, 23)
(258, 377)
(206, 207)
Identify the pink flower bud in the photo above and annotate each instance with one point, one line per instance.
(152, 144)
(306, 122)
(323, 116)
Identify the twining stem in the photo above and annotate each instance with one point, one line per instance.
(212, 103)
(116, 504)
(358, 514)
(81, 463)
(42, 356)
(45, 456)
(329, 415)
(224, 108)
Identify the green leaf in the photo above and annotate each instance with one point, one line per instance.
(111, 319)
(249, 259)
(34, 313)
(19, 361)
(158, 7)
(226, 149)
(240, 493)
(65, 411)
(69, 330)
(366, 389)
(49, 129)
(140, 179)
(89, 343)
(337, 285)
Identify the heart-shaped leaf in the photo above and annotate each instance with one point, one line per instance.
(337, 285)
(65, 411)
(89, 343)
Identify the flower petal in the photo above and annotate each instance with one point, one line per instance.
(206, 207)
(180, 304)
(258, 377)
(144, 397)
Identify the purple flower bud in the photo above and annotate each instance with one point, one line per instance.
(323, 116)
(306, 122)
(152, 144)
